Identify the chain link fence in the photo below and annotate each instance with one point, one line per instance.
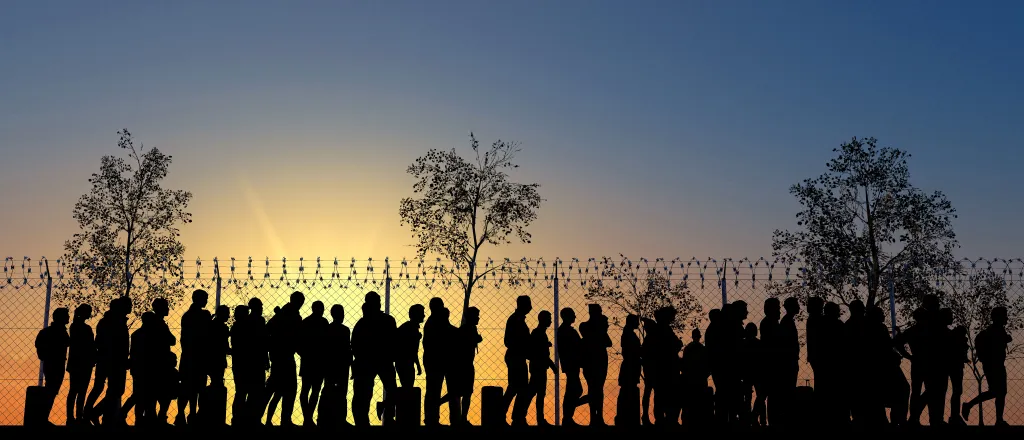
(28, 288)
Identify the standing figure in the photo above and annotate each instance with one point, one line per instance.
(116, 329)
(311, 349)
(285, 332)
(407, 348)
(540, 363)
(595, 364)
(958, 350)
(195, 324)
(697, 405)
(239, 358)
(463, 371)
(81, 360)
(627, 408)
(570, 353)
(373, 358)
(334, 405)
(789, 359)
(991, 349)
(770, 343)
(517, 341)
(103, 360)
(752, 377)
(436, 334)
(52, 350)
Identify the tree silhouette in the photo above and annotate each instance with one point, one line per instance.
(464, 205)
(972, 306)
(861, 221)
(129, 234)
(637, 289)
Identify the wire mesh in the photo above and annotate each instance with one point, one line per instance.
(24, 289)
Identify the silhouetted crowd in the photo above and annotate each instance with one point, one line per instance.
(856, 365)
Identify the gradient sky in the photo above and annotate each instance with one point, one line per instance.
(655, 128)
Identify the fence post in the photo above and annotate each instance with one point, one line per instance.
(216, 273)
(725, 296)
(387, 286)
(558, 408)
(46, 313)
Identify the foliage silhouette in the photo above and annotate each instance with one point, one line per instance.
(464, 205)
(129, 231)
(863, 220)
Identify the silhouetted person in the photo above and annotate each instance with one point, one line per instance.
(990, 346)
(115, 333)
(437, 332)
(373, 358)
(789, 366)
(334, 405)
(815, 314)
(251, 343)
(731, 366)
(81, 360)
(540, 363)
(648, 360)
(407, 358)
(219, 347)
(666, 351)
(917, 338)
(517, 341)
(285, 333)
(959, 347)
(103, 360)
(463, 371)
(751, 376)
(52, 349)
(627, 408)
(596, 342)
(696, 369)
(160, 359)
(139, 365)
(771, 343)
(195, 324)
(828, 375)
(938, 382)
(880, 356)
(239, 360)
(855, 380)
(312, 351)
(570, 354)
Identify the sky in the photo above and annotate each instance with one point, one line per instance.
(655, 128)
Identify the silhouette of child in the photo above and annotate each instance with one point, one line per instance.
(540, 363)
(81, 360)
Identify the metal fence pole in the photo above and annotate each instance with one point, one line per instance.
(892, 304)
(725, 296)
(558, 408)
(387, 287)
(46, 313)
(216, 273)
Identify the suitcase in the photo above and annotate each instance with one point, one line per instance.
(492, 406)
(213, 402)
(408, 406)
(36, 412)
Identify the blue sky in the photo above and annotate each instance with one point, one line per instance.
(661, 128)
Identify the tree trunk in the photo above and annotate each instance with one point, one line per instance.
(469, 290)
(127, 264)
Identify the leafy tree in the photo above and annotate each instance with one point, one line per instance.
(972, 306)
(466, 204)
(128, 244)
(863, 221)
(634, 288)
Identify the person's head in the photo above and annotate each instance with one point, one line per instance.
(222, 313)
(594, 310)
(160, 307)
(875, 315)
(792, 306)
(416, 313)
(772, 308)
(255, 307)
(856, 309)
(739, 310)
(999, 316)
(832, 310)
(568, 315)
(632, 322)
(318, 308)
(523, 304)
(435, 304)
(930, 302)
(695, 335)
(241, 312)
(200, 297)
(750, 331)
(83, 312)
(714, 314)
(472, 316)
(665, 315)
(815, 305)
(149, 318)
(277, 309)
(125, 305)
(444, 314)
(920, 315)
(371, 301)
(946, 316)
(61, 316)
(338, 313)
(544, 319)
(297, 299)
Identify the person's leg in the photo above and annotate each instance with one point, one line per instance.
(519, 381)
(646, 401)
(432, 397)
(956, 380)
(314, 397)
(387, 381)
(342, 401)
(307, 385)
(288, 389)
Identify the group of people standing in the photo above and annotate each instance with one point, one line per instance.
(754, 369)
